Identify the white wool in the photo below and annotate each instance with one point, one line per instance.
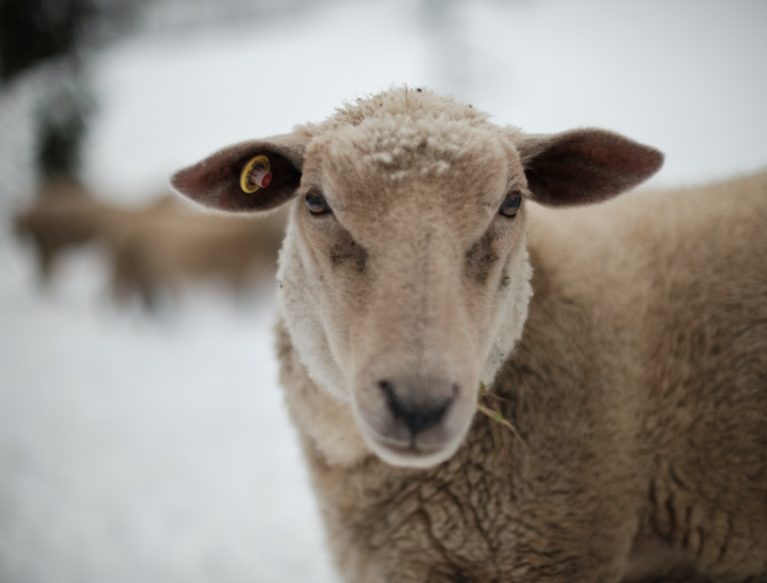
(511, 316)
(303, 321)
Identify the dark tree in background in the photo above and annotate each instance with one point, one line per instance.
(60, 36)
(34, 32)
(62, 125)
(56, 35)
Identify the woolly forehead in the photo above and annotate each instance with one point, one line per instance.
(399, 159)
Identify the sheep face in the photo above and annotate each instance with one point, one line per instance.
(402, 284)
(404, 276)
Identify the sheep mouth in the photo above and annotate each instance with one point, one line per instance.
(412, 451)
(409, 448)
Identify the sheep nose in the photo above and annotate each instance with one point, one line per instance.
(418, 404)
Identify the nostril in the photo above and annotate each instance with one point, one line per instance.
(392, 400)
(385, 386)
(419, 415)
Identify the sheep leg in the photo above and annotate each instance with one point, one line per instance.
(45, 261)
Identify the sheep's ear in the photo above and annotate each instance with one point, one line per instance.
(584, 166)
(248, 177)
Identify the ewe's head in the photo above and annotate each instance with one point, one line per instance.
(404, 273)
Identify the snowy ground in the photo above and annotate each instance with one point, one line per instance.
(137, 449)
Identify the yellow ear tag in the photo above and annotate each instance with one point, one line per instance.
(255, 174)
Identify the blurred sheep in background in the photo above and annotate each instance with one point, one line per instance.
(153, 249)
(62, 218)
(162, 251)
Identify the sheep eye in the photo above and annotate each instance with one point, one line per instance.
(510, 204)
(317, 204)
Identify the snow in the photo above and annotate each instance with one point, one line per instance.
(135, 448)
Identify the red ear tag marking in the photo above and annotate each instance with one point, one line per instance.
(256, 174)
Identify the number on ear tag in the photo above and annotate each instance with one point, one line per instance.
(256, 174)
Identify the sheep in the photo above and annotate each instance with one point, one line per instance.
(163, 251)
(62, 218)
(150, 248)
(428, 255)
(66, 216)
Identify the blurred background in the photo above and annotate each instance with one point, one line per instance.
(142, 432)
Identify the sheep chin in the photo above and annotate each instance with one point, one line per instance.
(400, 454)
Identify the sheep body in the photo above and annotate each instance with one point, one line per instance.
(640, 387)
(63, 217)
(162, 252)
(151, 249)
